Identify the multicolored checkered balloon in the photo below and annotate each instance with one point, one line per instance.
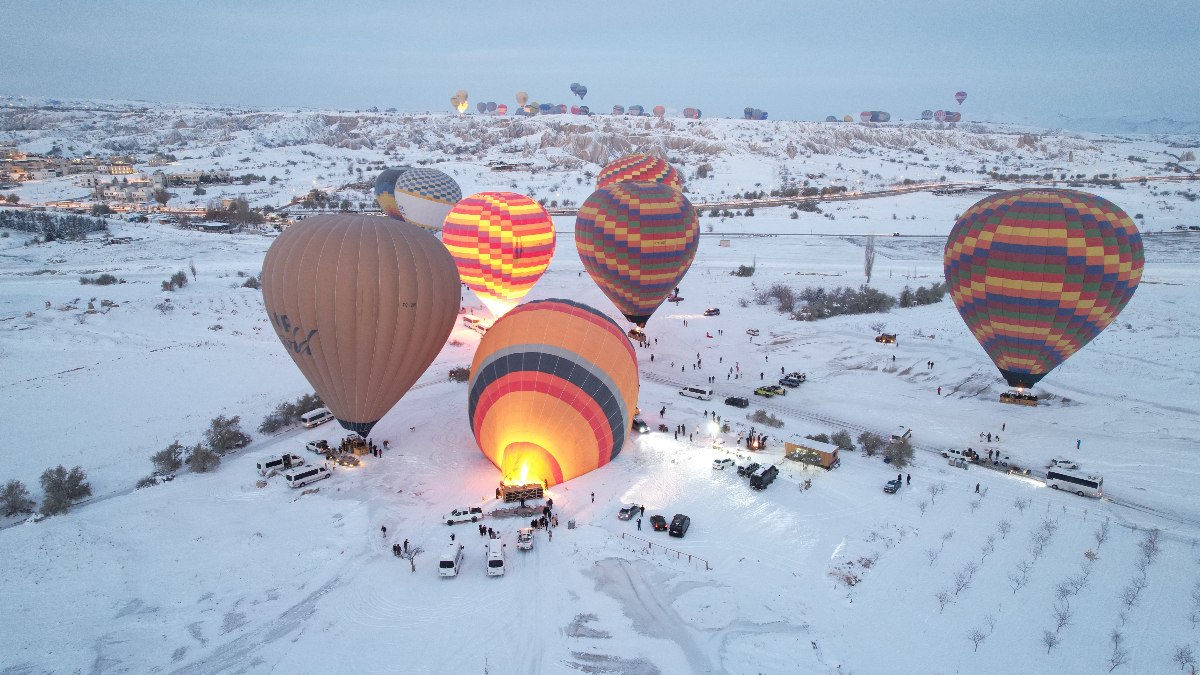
(1038, 273)
(640, 167)
(637, 240)
(501, 242)
(423, 197)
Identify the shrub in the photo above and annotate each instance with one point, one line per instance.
(842, 440)
(203, 460)
(743, 271)
(15, 499)
(782, 295)
(102, 280)
(763, 417)
(900, 453)
(287, 414)
(60, 488)
(871, 442)
(179, 279)
(169, 459)
(252, 282)
(225, 434)
(460, 374)
(145, 482)
(821, 438)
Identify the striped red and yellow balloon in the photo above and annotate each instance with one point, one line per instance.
(553, 388)
(637, 241)
(1038, 273)
(501, 242)
(639, 167)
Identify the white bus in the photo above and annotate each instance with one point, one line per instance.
(316, 417)
(474, 323)
(303, 476)
(702, 393)
(1080, 484)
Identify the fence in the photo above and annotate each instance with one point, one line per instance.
(670, 551)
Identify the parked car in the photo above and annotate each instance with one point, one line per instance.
(738, 401)
(752, 331)
(473, 514)
(892, 486)
(319, 447)
(525, 539)
(759, 480)
(776, 389)
(722, 464)
(765, 391)
(347, 460)
(712, 311)
(902, 433)
(679, 525)
(790, 381)
(748, 469)
(658, 523)
(1063, 463)
(628, 512)
(639, 425)
(886, 338)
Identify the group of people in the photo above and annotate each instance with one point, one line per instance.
(400, 550)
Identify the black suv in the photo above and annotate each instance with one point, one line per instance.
(679, 525)
(749, 469)
(738, 402)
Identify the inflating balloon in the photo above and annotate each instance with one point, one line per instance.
(501, 242)
(639, 167)
(1037, 274)
(659, 111)
(385, 184)
(553, 389)
(637, 241)
(362, 304)
(424, 197)
(926, 114)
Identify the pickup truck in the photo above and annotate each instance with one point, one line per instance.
(462, 515)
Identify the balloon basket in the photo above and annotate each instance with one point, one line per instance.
(1019, 398)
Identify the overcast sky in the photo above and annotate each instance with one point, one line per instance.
(1019, 60)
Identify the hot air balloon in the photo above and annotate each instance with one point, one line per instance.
(960, 96)
(579, 90)
(553, 389)
(865, 116)
(584, 110)
(461, 94)
(385, 183)
(847, 118)
(455, 102)
(953, 116)
(691, 113)
(1038, 273)
(545, 108)
(637, 110)
(574, 110)
(926, 114)
(481, 107)
(522, 98)
(561, 108)
(362, 304)
(659, 111)
(618, 110)
(491, 106)
(425, 196)
(637, 240)
(939, 115)
(639, 167)
(831, 118)
(502, 243)
(501, 109)
(748, 113)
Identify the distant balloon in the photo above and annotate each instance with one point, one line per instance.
(491, 106)
(584, 110)
(659, 111)
(637, 110)
(940, 115)
(865, 116)
(1038, 273)
(926, 114)
(637, 241)
(561, 108)
(831, 118)
(639, 167)
(385, 184)
(522, 98)
(960, 96)
(461, 94)
(574, 110)
(579, 90)
(847, 118)
(691, 113)
(425, 196)
(481, 107)
(462, 106)
(552, 392)
(501, 109)
(501, 243)
(618, 110)
(748, 113)
(362, 304)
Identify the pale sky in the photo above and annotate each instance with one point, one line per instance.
(1019, 60)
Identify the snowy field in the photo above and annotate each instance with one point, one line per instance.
(210, 573)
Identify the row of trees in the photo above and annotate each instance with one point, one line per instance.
(814, 303)
(288, 413)
(899, 453)
(224, 435)
(51, 225)
(60, 489)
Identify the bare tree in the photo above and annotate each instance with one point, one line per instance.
(922, 506)
(869, 256)
(1037, 545)
(989, 547)
(411, 556)
(977, 635)
(975, 505)
(943, 598)
(932, 554)
(1183, 656)
(946, 536)
(1101, 534)
(1020, 577)
(964, 577)
(1004, 527)
(1119, 656)
(1021, 504)
(1194, 615)
(1062, 616)
(1063, 592)
(1050, 640)
(935, 490)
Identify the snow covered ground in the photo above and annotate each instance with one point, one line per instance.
(209, 573)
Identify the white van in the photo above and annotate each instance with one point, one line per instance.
(525, 538)
(702, 393)
(451, 561)
(314, 418)
(495, 558)
(902, 433)
(303, 476)
(474, 323)
(281, 463)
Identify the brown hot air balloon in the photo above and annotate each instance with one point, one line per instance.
(363, 304)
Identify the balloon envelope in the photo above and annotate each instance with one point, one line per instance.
(425, 196)
(926, 114)
(553, 389)
(639, 167)
(1036, 274)
(831, 118)
(847, 118)
(618, 110)
(385, 183)
(501, 242)
(362, 304)
(960, 96)
(659, 111)
(637, 240)
(501, 109)
(522, 98)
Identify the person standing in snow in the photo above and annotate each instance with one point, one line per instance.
(639, 523)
